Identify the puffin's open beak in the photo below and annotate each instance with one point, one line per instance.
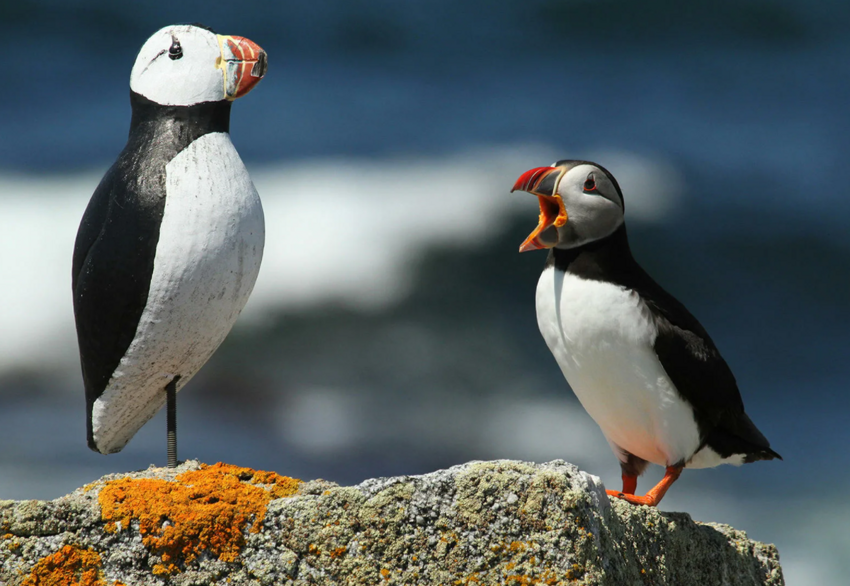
(543, 182)
(244, 64)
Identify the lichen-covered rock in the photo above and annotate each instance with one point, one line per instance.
(500, 522)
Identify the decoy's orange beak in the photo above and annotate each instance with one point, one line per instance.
(543, 182)
(244, 64)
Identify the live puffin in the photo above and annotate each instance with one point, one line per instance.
(170, 244)
(641, 365)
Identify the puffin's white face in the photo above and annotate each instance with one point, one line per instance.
(579, 203)
(182, 65)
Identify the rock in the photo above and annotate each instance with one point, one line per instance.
(501, 522)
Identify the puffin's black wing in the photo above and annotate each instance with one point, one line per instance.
(701, 375)
(113, 263)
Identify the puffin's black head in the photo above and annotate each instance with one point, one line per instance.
(580, 202)
(182, 65)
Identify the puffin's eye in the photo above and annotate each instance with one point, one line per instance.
(590, 183)
(175, 51)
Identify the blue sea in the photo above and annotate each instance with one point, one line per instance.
(392, 329)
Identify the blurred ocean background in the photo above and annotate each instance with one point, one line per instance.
(392, 329)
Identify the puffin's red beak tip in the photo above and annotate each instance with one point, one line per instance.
(530, 178)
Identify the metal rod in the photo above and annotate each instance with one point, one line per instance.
(171, 421)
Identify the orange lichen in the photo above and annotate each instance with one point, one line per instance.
(201, 510)
(70, 566)
(338, 552)
(548, 578)
(385, 573)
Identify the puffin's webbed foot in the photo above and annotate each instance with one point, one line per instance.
(654, 496)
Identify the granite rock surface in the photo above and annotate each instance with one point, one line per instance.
(501, 522)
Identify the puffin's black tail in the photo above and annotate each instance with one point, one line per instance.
(741, 437)
(766, 454)
(760, 453)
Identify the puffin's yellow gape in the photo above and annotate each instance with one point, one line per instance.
(552, 212)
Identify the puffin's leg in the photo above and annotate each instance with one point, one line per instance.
(631, 468)
(629, 486)
(171, 421)
(654, 496)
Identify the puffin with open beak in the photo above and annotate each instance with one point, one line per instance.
(641, 365)
(170, 245)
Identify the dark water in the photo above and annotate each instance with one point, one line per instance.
(748, 101)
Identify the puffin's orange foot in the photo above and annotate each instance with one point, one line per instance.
(654, 496)
(648, 500)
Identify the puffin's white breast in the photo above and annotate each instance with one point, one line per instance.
(207, 260)
(602, 337)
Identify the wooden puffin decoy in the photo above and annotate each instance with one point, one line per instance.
(171, 242)
(641, 365)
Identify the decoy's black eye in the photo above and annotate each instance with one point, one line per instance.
(175, 51)
(590, 183)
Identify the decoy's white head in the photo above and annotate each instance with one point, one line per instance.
(579, 202)
(182, 65)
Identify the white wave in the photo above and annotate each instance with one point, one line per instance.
(338, 230)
